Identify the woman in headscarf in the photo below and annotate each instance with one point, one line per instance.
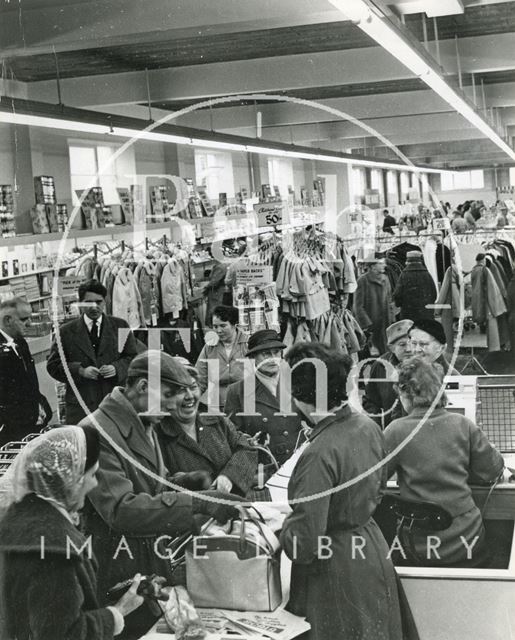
(48, 584)
(344, 593)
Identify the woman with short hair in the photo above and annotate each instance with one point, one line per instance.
(334, 490)
(228, 353)
(436, 454)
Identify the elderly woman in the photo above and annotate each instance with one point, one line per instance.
(48, 583)
(207, 447)
(435, 457)
(264, 418)
(225, 358)
(334, 489)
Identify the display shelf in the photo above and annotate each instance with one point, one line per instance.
(78, 233)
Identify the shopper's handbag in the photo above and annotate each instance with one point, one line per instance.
(239, 571)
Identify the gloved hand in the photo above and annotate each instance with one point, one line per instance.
(192, 480)
(219, 510)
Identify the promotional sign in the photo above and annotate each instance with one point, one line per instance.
(69, 285)
(254, 275)
(269, 214)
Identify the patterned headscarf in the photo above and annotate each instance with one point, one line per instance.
(49, 466)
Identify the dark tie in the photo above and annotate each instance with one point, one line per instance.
(94, 335)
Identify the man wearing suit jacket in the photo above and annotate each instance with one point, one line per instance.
(20, 399)
(281, 431)
(92, 354)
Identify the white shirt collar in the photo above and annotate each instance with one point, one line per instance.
(10, 342)
(89, 322)
(7, 337)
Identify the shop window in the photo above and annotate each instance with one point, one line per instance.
(359, 185)
(280, 174)
(462, 180)
(214, 171)
(512, 176)
(90, 166)
(376, 180)
(405, 185)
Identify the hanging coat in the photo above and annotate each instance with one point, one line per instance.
(450, 295)
(487, 304)
(127, 300)
(415, 289)
(346, 596)
(373, 308)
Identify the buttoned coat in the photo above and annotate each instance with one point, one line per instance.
(282, 429)
(128, 500)
(344, 595)
(79, 351)
(220, 449)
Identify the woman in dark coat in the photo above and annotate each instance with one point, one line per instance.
(344, 593)
(48, 575)
(208, 443)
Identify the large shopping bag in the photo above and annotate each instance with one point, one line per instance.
(239, 570)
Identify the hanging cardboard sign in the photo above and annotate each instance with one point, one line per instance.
(269, 214)
(69, 285)
(257, 275)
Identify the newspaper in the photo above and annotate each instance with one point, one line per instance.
(222, 624)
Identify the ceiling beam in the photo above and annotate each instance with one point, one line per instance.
(270, 74)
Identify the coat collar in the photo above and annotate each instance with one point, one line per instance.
(120, 411)
(30, 519)
(171, 429)
(340, 415)
(107, 337)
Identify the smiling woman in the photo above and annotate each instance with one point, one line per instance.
(192, 442)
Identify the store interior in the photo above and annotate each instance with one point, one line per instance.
(200, 137)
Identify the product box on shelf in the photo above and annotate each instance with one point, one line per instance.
(39, 219)
(44, 189)
(7, 222)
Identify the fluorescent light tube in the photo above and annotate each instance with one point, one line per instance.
(86, 127)
(374, 23)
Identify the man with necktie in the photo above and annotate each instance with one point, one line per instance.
(20, 399)
(97, 348)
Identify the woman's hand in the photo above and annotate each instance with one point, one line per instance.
(130, 600)
(222, 483)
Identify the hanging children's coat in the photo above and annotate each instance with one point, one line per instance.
(173, 288)
(127, 300)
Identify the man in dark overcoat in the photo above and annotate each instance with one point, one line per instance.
(92, 351)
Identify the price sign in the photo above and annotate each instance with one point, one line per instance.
(69, 285)
(269, 214)
(441, 224)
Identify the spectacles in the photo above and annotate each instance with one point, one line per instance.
(422, 345)
(183, 390)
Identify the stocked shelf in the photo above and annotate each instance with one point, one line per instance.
(78, 233)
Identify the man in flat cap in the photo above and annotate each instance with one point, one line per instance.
(380, 400)
(131, 514)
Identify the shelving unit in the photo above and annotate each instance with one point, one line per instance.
(78, 233)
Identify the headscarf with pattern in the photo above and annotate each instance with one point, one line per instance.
(49, 466)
